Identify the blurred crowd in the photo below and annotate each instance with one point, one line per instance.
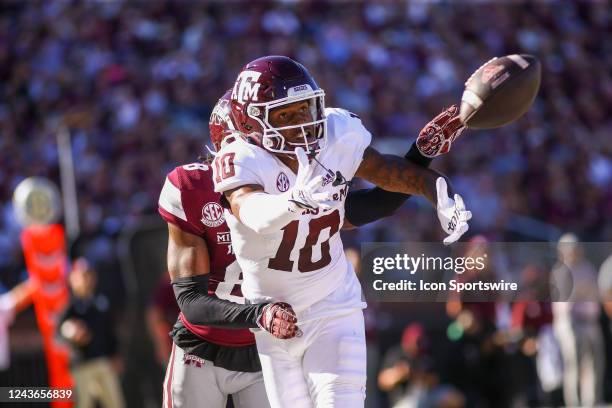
(135, 82)
(466, 352)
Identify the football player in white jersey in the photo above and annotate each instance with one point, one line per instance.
(285, 181)
(214, 353)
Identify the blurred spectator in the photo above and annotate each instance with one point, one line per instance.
(541, 363)
(87, 327)
(395, 374)
(11, 303)
(479, 327)
(604, 281)
(476, 363)
(479, 303)
(410, 377)
(605, 288)
(538, 359)
(161, 316)
(576, 325)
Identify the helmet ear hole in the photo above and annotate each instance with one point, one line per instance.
(254, 111)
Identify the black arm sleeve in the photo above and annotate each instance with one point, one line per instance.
(200, 308)
(365, 206)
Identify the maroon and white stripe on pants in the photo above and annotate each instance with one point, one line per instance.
(168, 380)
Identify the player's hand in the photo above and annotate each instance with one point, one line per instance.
(439, 134)
(279, 320)
(451, 212)
(309, 192)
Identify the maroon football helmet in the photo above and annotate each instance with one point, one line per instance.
(220, 126)
(274, 82)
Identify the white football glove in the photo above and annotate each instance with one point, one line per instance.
(309, 192)
(452, 213)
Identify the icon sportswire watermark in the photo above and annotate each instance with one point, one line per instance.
(486, 271)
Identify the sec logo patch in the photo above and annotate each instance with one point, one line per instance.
(212, 215)
(282, 182)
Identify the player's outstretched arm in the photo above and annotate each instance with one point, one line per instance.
(393, 173)
(411, 176)
(396, 174)
(189, 266)
(369, 205)
(434, 139)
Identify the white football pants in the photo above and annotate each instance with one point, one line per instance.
(325, 367)
(198, 383)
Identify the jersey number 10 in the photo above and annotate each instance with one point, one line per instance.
(224, 166)
(281, 260)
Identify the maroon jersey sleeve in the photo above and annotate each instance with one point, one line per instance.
(188, 200)
(185, 189)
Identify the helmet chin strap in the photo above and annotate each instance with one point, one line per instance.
(339, 179)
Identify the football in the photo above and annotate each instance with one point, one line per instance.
(500, 91)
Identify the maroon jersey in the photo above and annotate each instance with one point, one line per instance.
(188, 201)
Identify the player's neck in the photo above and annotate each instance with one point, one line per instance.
(289, 161)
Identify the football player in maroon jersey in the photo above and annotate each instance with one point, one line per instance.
(214, 353)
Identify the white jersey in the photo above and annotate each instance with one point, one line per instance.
(304, 263)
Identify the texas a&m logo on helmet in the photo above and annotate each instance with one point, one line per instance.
(246, 87)
(270, 83)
